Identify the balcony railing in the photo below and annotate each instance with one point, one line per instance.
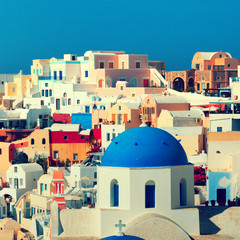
(52, 78)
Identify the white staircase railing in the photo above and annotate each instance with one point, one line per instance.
(160, 77)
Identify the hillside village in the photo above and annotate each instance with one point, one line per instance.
(111, 143)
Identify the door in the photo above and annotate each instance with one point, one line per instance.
(60, 75)
(221, 195)
(15, 183)
(145, 82)
(58, 104)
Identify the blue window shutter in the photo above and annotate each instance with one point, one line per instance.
(116, 195)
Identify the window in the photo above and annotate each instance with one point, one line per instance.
(42, 93)
(203, 78)
(183, 192)
(198, 86)
(55, 154)
(42, 102)
(113, 135)
(95, 175)
(21, 181)
(209, 67)
(46, 84)
(207, 85)
(45, 186)
(43, 141)
(197, 66)
(110, 65)
(101, 65)
(138, 64)
(150, 194)
(220, 55)
(86, 74)
(228, 65)
(69, 101)
(219, 129)
(46, 93)
(0, 151)
(121, 88)
(87, 109)
(13, 90)
(60, 75)
(75, 156)
(114, 193)
(203, 86)
(122, 65)
(119, 108)
(10, 181)
(82, 137)
(65, 137)
(15, 169)
(33, 71)
(73, 58)
(78, 101)
(37, 72)
(32, 141)
(55, 75)
(50, 92)
(108, 137)
(153, 110)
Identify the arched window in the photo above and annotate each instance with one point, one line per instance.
(43, 141)
(114, 193)
(150, 194)
(32, 141)
(183, 192)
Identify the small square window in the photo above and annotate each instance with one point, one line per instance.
(46, 84)
(219, 129)
(111, 65)
(75, 156)
(138, 64)
(65, 137)
(82, 137)
(101, 65)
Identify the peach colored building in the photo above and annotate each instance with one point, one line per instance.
(210, 70)
(152, 106)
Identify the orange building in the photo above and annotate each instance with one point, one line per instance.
(210, 70)
(153, 105)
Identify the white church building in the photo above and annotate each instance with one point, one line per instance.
(145, 181)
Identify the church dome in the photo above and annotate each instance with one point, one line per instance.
(144, 147)
(124, 237)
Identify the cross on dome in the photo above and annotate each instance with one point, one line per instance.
(120, 225)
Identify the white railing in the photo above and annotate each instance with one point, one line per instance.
(160, 78)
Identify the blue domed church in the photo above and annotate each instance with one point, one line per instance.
(145, 181)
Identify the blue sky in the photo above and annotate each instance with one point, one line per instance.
(167, 30)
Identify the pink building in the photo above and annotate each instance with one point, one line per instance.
(108, 68)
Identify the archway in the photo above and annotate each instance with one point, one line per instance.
(21, 157)
(178, 84)
(133, 82)
(108, 82)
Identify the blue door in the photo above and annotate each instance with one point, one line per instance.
(149, 196)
